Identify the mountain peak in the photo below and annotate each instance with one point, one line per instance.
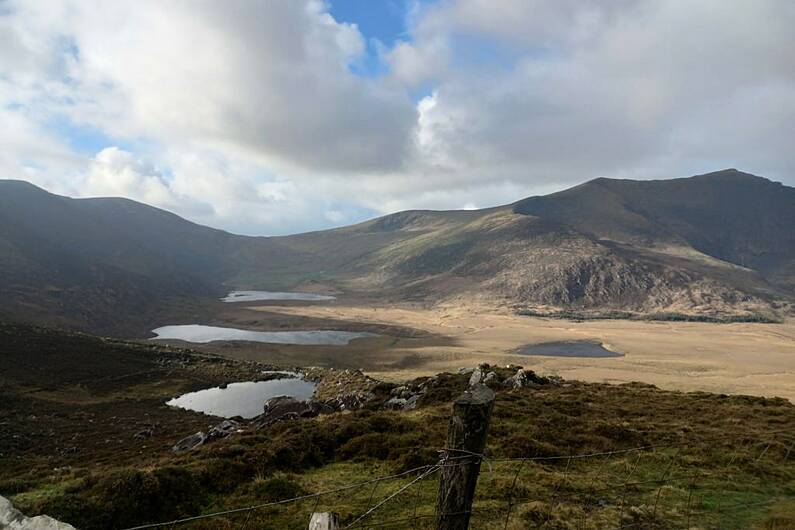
(730, 174)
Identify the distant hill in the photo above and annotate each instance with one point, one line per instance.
(720, 243)
(100, 263)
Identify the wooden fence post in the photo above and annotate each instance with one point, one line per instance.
(466, 439)
(324, 521)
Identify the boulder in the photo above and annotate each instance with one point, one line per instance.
(477, 377)
(397, 390)
(411, 403)
(222, 430)
(189, 442)
(350, 401)
(490, 378)
(525, 379)
(12, 519)
(282, 408)
(396, 403)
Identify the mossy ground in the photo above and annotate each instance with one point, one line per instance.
(711, 454)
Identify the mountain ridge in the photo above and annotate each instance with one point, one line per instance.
(715, 243)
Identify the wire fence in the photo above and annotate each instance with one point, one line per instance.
(652, 486)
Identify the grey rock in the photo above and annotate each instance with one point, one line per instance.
(524, 379)
(283, 408)
(490, 377)
(465, 371)
(13, 519)
(189, 442)
(222, 430)
(351, 401)
(477, 377)
(396, 403)
(411, 403)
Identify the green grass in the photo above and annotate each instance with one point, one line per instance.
(711, 449)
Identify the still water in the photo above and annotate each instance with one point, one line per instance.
(243, 399)
(581, 348)
(253, 296)
(203, 334)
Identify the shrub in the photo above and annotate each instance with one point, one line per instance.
(276, 489)
(132, 496)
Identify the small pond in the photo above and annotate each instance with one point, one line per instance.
(578, 348)
(203, 334)
(243, 399)
(253, 296)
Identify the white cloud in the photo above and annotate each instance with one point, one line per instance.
(591, 88)
(117, 173)
(246, 115)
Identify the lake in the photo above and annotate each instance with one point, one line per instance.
(203, 334)
(579, 348)
(243, 399)
(253, 296)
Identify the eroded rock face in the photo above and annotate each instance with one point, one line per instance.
(13, 519)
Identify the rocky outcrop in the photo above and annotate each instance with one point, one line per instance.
(190, 442)
(484, 375)
(13, 519)
(347, 390)
(342, 389)
(523, 379)
(284, 408)
(222, 430)
(404, 397)
(477, 376)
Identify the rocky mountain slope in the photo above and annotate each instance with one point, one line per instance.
(720, 243)
(716, 243)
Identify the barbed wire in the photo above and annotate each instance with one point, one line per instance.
(280, 502)
(457, 457)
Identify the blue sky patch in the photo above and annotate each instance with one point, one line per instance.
(83, 139)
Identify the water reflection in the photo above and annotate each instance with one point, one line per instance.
(253, 296)
(203, 334)
(243, 399)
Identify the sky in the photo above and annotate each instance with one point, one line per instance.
(279, 116)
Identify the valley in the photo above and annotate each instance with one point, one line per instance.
(144, 356)
(733, 358)
(692, 246)
(399, 264)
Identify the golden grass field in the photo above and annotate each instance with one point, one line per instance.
(740, 358)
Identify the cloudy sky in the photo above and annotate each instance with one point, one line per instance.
(278, 116)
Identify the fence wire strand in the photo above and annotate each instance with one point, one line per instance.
(585, 500)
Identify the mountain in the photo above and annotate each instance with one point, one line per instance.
(98, 263)
(720, 243)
